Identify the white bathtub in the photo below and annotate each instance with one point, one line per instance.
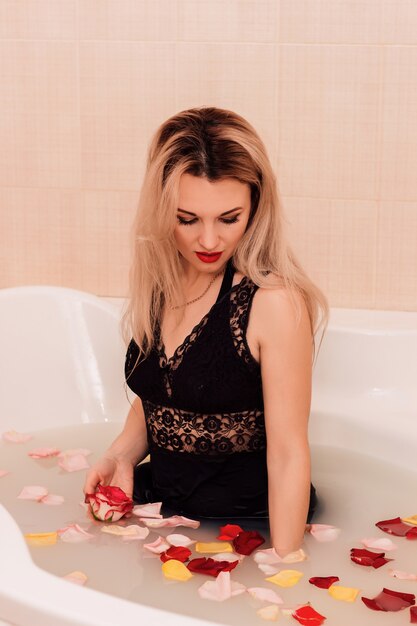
(364, 399)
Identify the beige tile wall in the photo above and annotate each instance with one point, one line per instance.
(331, 85)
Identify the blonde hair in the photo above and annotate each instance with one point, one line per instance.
(215, 143)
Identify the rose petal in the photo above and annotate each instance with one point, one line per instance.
(209, 566)
(379, 543)
(247, 541)
(151, 509)
(269, 570)
(73, 463)
(42, 453)
(175, 520)
(33, 492)
(368, 558)
(295, 557)
(413, 615)
(79, 578)
(346, 594)
(286, 578)
(323, 582)
(410, 520)
(228, 556)
(389, 600)
(213, 547)
(109, 503)
(157, 546)
(229, 531)
(4, 473)
(74, 534)
(269, 613)
(307, 616)
(179, 553)
(179, 540)
(41, 539)
(131, 532)
(394, 527)
(12, 436)
(175, 570)
(402, 575)
(412, 533)
(265, 594)
(324, 532)
(52, 499)
(221, 589)
(268, 556)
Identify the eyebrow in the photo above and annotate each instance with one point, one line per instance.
(238, 208)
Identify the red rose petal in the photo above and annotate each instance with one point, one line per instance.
(307, 616)
(389, 600)
(368, 558)
(411, 533)
(207, 565)
(247, 541)
(323, 582)
(394, 527)
(230, 531)
(180, 553)
(413, 615)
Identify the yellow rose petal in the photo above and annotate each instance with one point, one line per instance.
(348, 594)
(213, 547)
(41, 539)
(270, 613)
(176, 570)
(410, 520)
(286, 578)
(295, 557)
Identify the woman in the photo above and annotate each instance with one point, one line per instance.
(223, 320)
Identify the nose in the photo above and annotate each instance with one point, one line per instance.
(208, 238)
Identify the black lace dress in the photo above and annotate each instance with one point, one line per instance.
(204, 416)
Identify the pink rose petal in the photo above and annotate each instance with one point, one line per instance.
(228, 556)
(33, 492)
(73, 463)
(42, 453)
(4, 473)
(324, 532)
(175, 520)
(269, 570)
(402, 575)
(220, 589)
(179, 540)
(12, 436)
(52, 499)
(379, 543)
(79, 578)
(265, 594)
(74, 534)
(151, 509)
(267, 556)
(158, 546)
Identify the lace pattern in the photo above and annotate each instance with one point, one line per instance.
(210, 434)
(240, 304)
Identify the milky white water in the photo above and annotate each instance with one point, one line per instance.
(354, 491)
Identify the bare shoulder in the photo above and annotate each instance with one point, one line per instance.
(278, 312)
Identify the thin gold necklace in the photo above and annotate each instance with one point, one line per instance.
(178, 306)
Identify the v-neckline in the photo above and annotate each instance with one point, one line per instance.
(161, 345)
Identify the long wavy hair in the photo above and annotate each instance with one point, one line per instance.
(215, 143)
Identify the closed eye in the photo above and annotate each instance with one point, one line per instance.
(224, 220)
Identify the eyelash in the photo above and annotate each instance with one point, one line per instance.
(230, 220)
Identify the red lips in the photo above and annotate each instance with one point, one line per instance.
(211, 257)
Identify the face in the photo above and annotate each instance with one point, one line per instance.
(211, 219)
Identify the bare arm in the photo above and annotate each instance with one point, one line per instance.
(129, 448)
(286, 366)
